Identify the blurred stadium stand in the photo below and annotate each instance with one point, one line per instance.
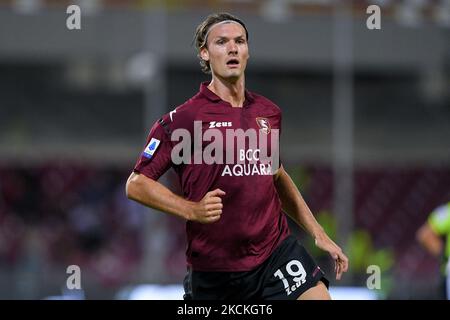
(75, 108)
(175, 292)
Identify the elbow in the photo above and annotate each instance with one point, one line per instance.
(130, 187)
(421, 234)
(137, 188)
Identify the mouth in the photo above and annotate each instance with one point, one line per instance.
(233, 63)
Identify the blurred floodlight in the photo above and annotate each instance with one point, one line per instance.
(409, 14)
(81, 73)
(317, 2)
(27, 6)
(239, 1)
(433, 84)
(152, 292)
(442, 13)
(67, 294)
(416, 3)
(382, 3)
(276, 11)
(141, 68)
(352, 293)
(175, 292)
(89, 6)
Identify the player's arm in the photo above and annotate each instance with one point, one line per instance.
(294, 205)
(429, 239)
(155, 195)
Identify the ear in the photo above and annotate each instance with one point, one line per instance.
(204, 54)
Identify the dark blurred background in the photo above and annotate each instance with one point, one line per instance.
(366, 133)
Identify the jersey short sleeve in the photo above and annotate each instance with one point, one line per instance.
(155, 159)
(439, 220)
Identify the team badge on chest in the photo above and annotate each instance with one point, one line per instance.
(263, 124)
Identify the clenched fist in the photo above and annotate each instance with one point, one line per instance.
(209, 209)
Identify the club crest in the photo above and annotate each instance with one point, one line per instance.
(263, 124)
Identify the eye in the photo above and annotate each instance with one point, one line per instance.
(220, 41)
(240, 41)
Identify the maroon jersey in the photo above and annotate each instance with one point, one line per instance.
(252, 223)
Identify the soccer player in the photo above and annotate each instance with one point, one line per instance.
(430, 236)
(234, 199)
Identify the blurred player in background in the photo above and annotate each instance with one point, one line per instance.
(430, 236)
(239, 244)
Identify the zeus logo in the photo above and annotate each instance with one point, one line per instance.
(263, 124)
(217, 124)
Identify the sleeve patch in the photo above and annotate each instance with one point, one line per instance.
(151, 148)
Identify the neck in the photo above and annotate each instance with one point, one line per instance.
(232, 92)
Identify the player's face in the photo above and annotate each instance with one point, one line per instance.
(227, 51)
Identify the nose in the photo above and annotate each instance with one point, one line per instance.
(232, 47)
